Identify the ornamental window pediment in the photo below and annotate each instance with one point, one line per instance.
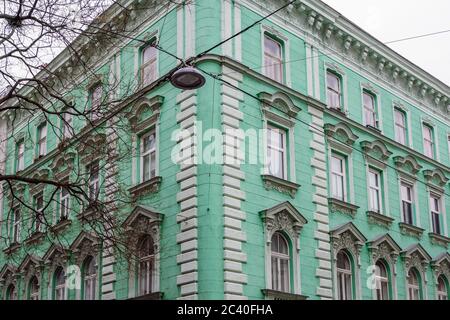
(92, 147)
(280, 102)
(63, 164)
(417, 257)
(384, 247)
(376, 151)
(85, 245)
(407, 164)
(340, 136)
(8, 275)
(347, 237)
(144, 113)
(143, 221)
(436, 177)
(441, 265)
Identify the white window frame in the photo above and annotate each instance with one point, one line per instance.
(279, 37)
(382, 280)
(143, 65)
(441, 295)
(401, 129)
(284, 149)
(411, 287)
(339, 92)
(67, 126)
(20, 155)
(278, 258)
(149, 153)
(39, 211)
(93, 182)
(437, 197)
(16, 225)
(90, 279)
(148, 262)
(343, 175)
(96, 102)
(378, 188)
(42, 140)
(372, 111)
(432, 141)
(344, 276)
(34, 295)
(412, 202)
(64, 203)
(275, 62)
(59, 289)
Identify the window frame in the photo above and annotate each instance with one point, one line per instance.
(89, 278)
(412, 202)
(402, 127)
(145, 64)
(442, 294)
(20, 155)
(95, 103)
(279, 257)
(374, 111)
(414, 289)
(34, 295)
(432, 142)
(39, 210)
(382, 280)
(340, 93)
(343, 175)
(67, 126)
(64, 203)
(345, 275)
(285, 149)
(150, 268)
(379, 190)
(59, 288)
(439, 213)
(150, 152)
(42, 140)
(274, 60)
(91, 181)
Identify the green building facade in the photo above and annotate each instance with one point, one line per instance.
(313, 164)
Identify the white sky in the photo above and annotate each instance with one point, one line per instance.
(389, 20)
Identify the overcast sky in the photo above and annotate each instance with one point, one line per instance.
(389, 20)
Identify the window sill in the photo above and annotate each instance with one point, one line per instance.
(410, 230)
(373, 128)
(87, 215)
(338, 111)
(12, 248)
(270, 294)
(150, 186)
(339, 206)
(379, 219)
(439, 239)
(35, 238)
(150, 296)
(281, 185)
(61, 225)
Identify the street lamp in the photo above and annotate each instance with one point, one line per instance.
(187, 78)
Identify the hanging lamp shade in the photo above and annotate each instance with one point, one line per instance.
(187, 78)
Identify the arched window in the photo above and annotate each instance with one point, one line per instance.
(280, 263)
(11, 293)
(89, 278)
(146, 265)
(344, 276)
(413, 285)
(60, 284)
(382, 279)
(442, 290)
(34, 289)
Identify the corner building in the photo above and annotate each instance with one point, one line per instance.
(357, 191)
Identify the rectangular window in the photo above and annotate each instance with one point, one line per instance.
(428, 141)
(64, 203)
(407, 203)
(435, 203)
(148, 65)
(400, 126)
(370, 115)
(42, 140)
(67, 125)
(276, 152)
(20, 165)
(148, 156)
(338, 179)
(94, 180)
(96, 101)
(39, 208)
(375, 190)
(273, 59)
(334, 90)
(16, 225)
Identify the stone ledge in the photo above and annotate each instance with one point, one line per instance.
(87, 214)
(343, 207)
(150, 186)
(12, 248)
(410, 230)
(61, 225)
(150, 296)
(281, 185)
(35, 238)
(439, 239)
(270, 294)
(380, 219)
